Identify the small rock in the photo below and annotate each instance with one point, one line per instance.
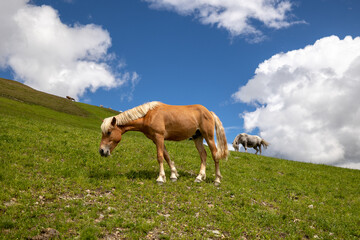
(166, 215)
(216, 232)
(46, 234)
(12, 202)
(111, 209)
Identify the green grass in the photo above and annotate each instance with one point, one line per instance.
(51, 176)
(22, 93)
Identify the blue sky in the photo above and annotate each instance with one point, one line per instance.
(167, 51)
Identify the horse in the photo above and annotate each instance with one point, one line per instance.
(160, 122)
(70, 98)
(251, 141)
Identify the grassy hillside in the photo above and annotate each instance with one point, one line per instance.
(53, 182)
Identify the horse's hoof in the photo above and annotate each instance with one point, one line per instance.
(198, 180)
(173, 179)
(159, 183)
(217, 184)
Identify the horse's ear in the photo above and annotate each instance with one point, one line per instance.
(113, 121)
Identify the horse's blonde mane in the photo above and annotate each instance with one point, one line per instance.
(129, 115)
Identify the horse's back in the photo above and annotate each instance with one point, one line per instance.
(254, 138)
(178, 122)
(251, 140)
(182, 112)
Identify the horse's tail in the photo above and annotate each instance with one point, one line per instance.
(222, 148)
(264, 143)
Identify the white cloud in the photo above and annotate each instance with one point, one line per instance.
(52, 56)
(230, 147)
(308, 102)
(235, 16)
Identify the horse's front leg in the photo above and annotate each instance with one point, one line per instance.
(174, 175)
(159, 141)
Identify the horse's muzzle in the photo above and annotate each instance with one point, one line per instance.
(104, 153)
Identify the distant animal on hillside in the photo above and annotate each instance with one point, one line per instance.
(235, 146)
(159, 122)
(70, 98)
(251, 141)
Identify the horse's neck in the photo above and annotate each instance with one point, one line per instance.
(135, 125)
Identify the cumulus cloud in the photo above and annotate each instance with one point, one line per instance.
(307, 102)
(235, 16)
(52, 56)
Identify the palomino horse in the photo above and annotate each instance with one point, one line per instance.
(249, 141)
(159, 122)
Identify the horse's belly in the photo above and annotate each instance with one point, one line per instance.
(251, 144)
(179, 134)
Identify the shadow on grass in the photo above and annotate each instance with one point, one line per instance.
(105, 174)
(100, 174)
(183, 174)
(141, 174)
(146, 174)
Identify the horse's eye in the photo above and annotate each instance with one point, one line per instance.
(108, 133)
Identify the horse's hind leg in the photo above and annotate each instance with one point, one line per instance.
(160, 147)
(211, 142)
(200, 147)
(256, 150)
(174, 174)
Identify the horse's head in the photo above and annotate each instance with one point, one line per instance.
(111, 136)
